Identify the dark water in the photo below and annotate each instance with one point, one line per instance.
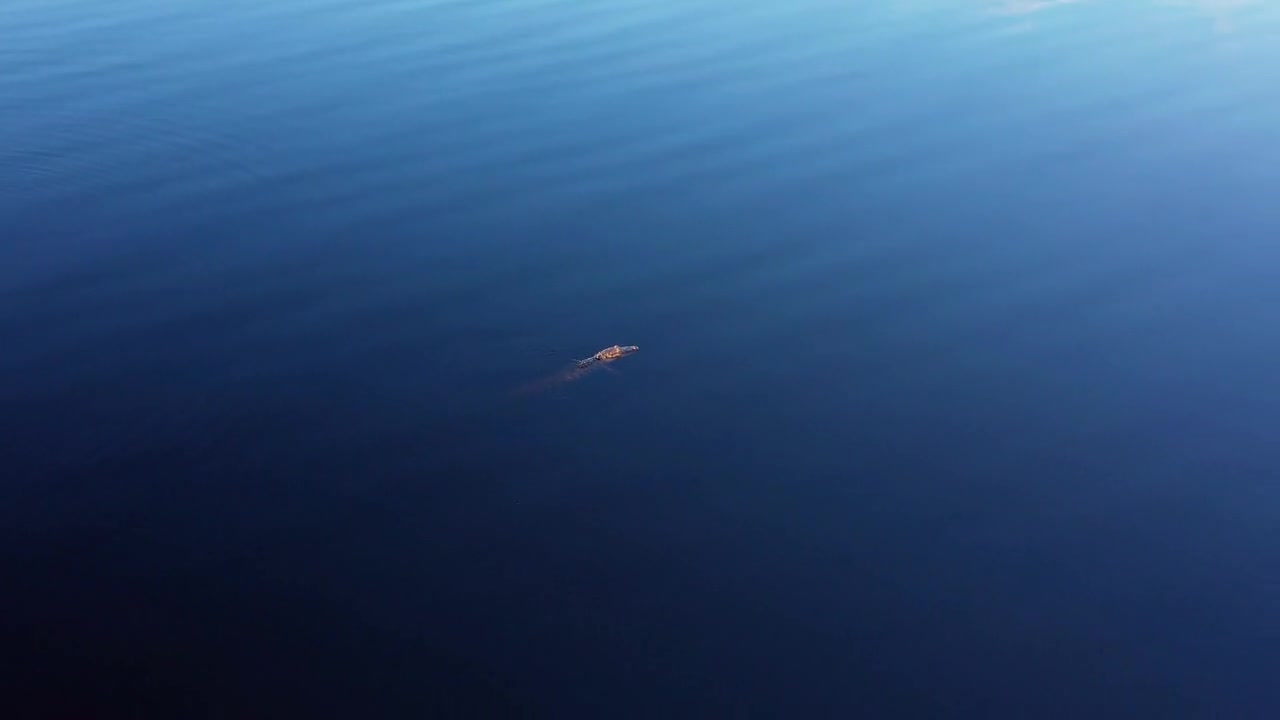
(958, 393)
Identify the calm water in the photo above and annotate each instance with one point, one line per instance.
(958, 393)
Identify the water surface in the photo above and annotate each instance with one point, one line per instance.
(957, 394)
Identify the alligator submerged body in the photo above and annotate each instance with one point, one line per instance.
(581, 368)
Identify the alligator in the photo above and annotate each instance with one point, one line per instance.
(608, 355)
(581, 368)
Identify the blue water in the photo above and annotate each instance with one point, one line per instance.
(957, 395)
